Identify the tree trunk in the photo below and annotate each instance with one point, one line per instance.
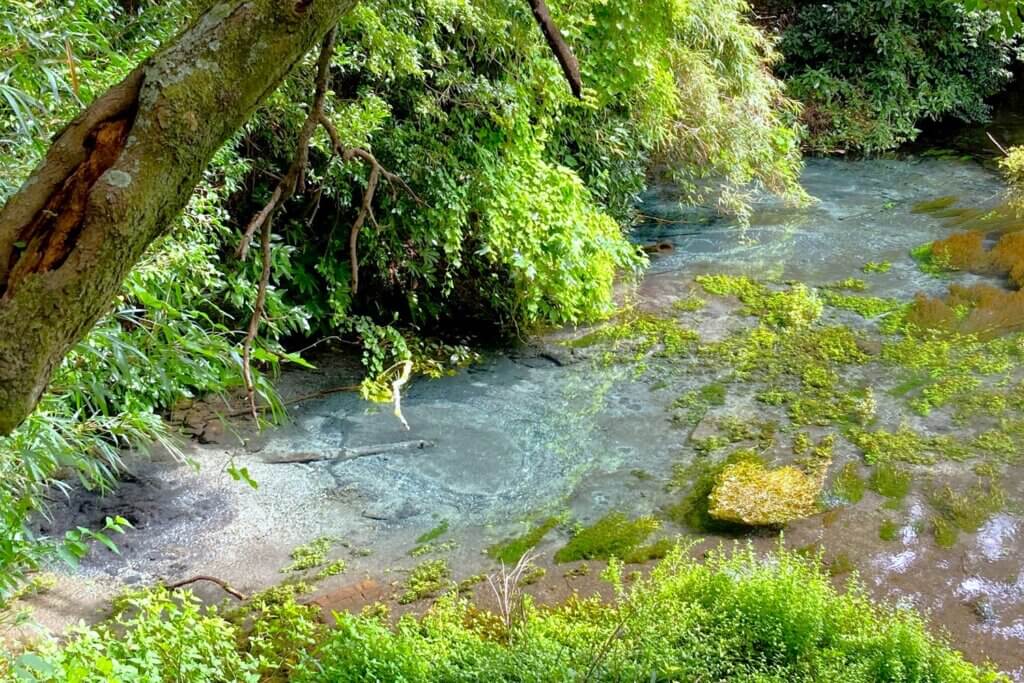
(119, 174)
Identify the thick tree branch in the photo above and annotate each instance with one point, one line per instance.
(563, 53)
(117, 177)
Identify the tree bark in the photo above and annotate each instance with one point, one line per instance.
(115, 179)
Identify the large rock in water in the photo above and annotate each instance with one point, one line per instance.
(749, 493)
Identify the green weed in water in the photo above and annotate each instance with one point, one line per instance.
(614, 535)
(511, 550)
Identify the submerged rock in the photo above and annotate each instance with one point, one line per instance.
(749, 493)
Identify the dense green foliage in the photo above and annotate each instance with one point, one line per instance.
(869, 73)
(732, 618)
(525, 193)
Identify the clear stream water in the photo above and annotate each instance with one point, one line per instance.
(542, 430)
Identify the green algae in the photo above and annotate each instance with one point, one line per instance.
(888, 530)
(876, 267)
(890, 481)
(933, 205)
(614, 535)
(511, 550)
(849, 485)
(434, 534)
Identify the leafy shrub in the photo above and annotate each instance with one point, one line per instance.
(154, 637)
(869, 72)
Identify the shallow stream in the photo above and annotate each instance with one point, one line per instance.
(578, 430)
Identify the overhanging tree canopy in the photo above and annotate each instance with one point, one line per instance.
(116, 177)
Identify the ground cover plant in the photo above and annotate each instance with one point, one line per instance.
(734, 617)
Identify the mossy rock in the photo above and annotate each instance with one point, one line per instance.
(751, 494)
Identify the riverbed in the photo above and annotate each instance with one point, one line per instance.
(569, 430)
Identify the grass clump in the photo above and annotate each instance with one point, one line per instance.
(511, 550)
(426, 580)
(614, 535)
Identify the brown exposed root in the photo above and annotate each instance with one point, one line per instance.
(366, 208)
(294, 179)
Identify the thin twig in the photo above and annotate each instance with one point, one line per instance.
(212, 579)
(254, 322)
(996, 143)
(299, 399)
(294, 179)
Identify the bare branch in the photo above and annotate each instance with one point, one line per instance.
(286, 187)
(294, 179)
(366, 209)
(563, 53)
(212, 579)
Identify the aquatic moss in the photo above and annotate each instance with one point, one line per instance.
(796, 307)
(309, 555)
(882, 446)
(864, 306)
(968, 510)
(641, 334)
(697, 402)
(849, 485)
(876, 267)
(434, 534)
(511, 550)
(614, 535)
(890, 481)
(945, 533)
(433, 548)
(851, 283)
(331, 569)
(426, 580)
(690, 304)
(888, 530)
(699, 480)
(649, 552)
(751, 494)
